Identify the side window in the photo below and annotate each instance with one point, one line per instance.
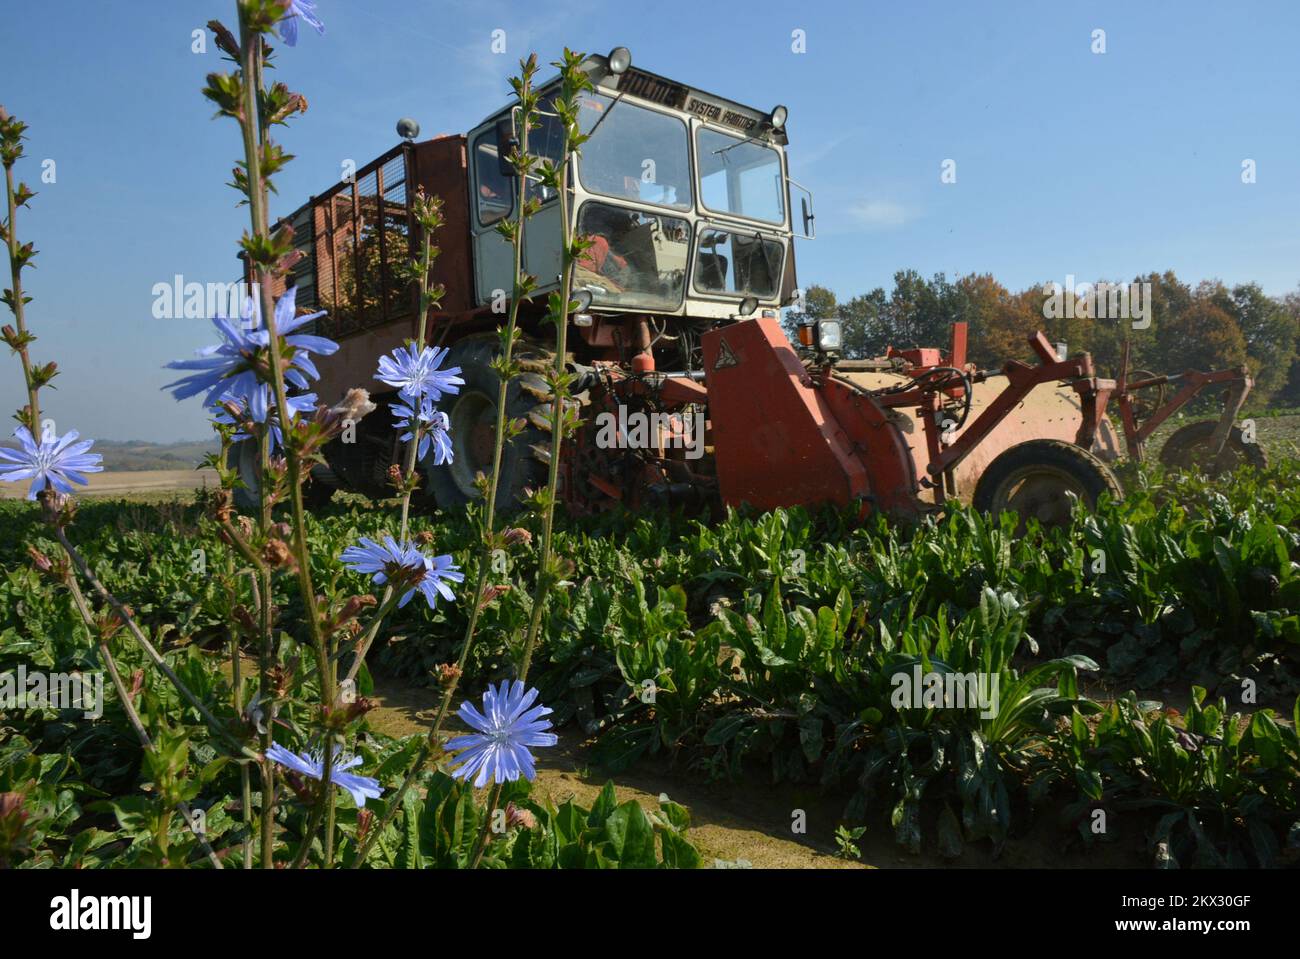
(733, 263)
(491, 188)
(545, 143)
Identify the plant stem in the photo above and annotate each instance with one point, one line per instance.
(237, 686)
(480, 846)
(426, 258)
(17, 307)
(489, 509)
(123, 695)
(545, 573)
(254, 131)
(148, 647)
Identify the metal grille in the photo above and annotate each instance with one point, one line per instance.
(361, 232)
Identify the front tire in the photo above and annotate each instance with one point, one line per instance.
(472, 422)
(246, 458)
(1041, 479)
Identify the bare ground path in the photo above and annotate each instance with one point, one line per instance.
(750, 820)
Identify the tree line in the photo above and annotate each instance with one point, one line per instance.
(1207, 327)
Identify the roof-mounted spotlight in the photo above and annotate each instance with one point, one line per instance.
(620, 58)
(598, 68)
(778, 117)
(407, 128)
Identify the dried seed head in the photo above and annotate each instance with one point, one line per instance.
(276, 553)
(353, 607)
(354, 405)
(518, 534)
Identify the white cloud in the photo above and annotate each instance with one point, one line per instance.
(879, 214)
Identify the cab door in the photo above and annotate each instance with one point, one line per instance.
(492, 198)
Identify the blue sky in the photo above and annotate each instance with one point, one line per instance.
(1067, 162)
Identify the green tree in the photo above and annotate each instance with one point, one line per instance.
(861, 319)
(817, 303)
(1269, 330)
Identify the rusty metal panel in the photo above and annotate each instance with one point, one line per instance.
(775, 439)
(439, 167)
(1049, 411)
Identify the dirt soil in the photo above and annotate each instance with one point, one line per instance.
(117, 483)
(752, 820)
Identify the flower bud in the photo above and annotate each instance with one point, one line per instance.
(39, 560)
(448, 673)
(276, 553)
(518, 534)
(491, 592)
(515, 816)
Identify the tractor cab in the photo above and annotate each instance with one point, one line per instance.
(685, 196)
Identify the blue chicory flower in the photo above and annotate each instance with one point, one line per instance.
(57, 462)
(433, 425)
(415, 375)
(404, 562)
(507, 727)
(225, 370)
(260, 408)
(361, 787)
(289, 25)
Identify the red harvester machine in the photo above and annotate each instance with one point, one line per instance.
(691, 392)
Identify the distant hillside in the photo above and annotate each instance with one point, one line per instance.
(135, 455)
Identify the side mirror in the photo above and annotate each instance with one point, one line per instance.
(507, 145)
(805, 207)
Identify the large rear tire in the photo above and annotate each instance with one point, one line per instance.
(1041, 479)
(247, 459)
(1189, 449)
(472, 420)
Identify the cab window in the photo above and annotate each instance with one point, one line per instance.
(493, 192)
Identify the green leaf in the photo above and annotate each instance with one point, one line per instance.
(631, 838)
(604, 805)
(678, 852)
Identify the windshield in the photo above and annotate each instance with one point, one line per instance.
(635, 153)
(636, 258)
(740, 177)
